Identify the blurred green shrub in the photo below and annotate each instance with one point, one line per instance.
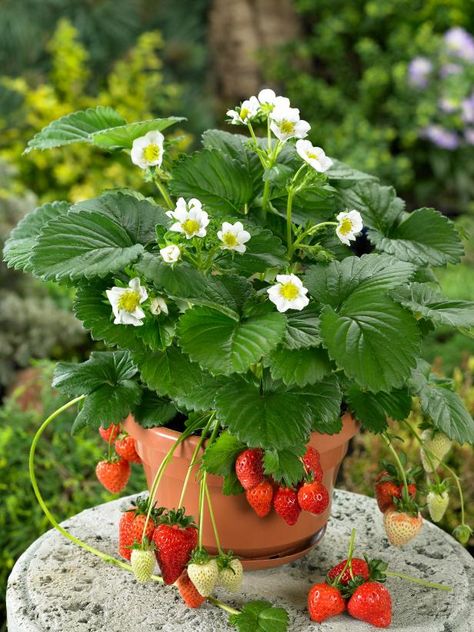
(65, 469)
(350, 70)
(360, 468)
(135, 87)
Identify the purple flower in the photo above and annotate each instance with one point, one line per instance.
(469, 135)
(419, 70)
(468, 109)
(460, 43)
(450, 69)
(441, 137)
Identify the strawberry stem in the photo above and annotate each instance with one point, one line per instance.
(213, 520)
(406, 493)
(416, 580)
(350, 553)
(222, 605)
(194, 459)
(202, 485)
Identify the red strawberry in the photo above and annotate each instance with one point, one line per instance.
(188, 591)
(324, 601)
(313, 497)
(260, 498)
(132, 523)
(249, 468)
(125, 447)
(285, 503)
(312, 463)
(372, 603)
(110, 433)
(113, 474)
(387, 488)
(175, 538)
(359, 567)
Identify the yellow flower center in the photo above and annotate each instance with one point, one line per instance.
(312, 155)
(151, 152)
(190, 226)
(244, 112)
(287, 127)
(345, 227)
(230, 240)
(289, 291)
(129, 301)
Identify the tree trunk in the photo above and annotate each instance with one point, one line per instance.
(239, 30)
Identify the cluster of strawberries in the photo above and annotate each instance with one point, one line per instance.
(172, 537)
(261, 493)
(114, 471)
(354, 585)
(402, 518)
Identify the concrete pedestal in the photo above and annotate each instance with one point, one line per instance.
(57, 587)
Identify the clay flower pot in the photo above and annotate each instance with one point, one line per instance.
(260, 543)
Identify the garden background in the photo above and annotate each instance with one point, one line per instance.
(347, 65)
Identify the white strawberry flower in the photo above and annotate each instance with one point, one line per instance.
(191, 220)
(147, 151)
(269, 100)
(171, 253)
(349, 226)
(158, 306)
(126, 302)
(233, 237)
(288, 293)
(285, 123)
(247, 111)
(314, 156)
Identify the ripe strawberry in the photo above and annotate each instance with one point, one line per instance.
(113, 474)
(175, 538)
(313, 497)
(437, 504)
(359, 568)
(110, 433)
(260, 498)
(143, 562)
(372, 603)
(203, 571)
(188, 591)
(401, 527)
(125, 447)
(132, 523)
(436, 446)
(324, 601)
(312, 463)
(285, 503)
(231, 573)
(249, 468)
(387, 488)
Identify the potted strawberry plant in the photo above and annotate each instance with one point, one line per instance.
(258, 300)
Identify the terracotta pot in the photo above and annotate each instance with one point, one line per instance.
(260, 543)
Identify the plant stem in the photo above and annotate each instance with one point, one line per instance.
(164, 192)
(458, 485)
(31, 468)
(193, 461)
(222, 605)
(202, 484)
(289, 229)
(265, 198)
(311, 231)
(416, 580)
(213, 520)
(399, 465)
(158, 477)
(350, 553)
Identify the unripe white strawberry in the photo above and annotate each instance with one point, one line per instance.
(143, 563)
(204, 576)
(435, 447)
(401, 527)
(231, 576)
(437, 504)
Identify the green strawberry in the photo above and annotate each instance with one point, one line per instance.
(437, 504)
(462, 533)
(203, 571)
(230, 572)
(143, 563)
(436, 446)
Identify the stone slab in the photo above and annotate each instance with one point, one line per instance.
(56, 586)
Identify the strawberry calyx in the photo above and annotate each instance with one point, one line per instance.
(440, 487)
(377, 570)
(406, 505)
(199, 556)
(224, 560)
(145, 545)
(390, 473)
(177, 517)
(139, 507)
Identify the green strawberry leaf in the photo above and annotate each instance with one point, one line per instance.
(372, 409)
(122, 136)
(231, 485)
(219, 458)
(300, 366)
(284, 466)
(264, 250)
(153, 410)
(260, 616)
(302, 329)
(379, 205)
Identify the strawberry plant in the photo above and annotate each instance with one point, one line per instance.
(265, 290)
